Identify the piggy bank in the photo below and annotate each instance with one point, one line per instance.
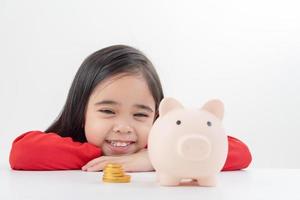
(188, 143)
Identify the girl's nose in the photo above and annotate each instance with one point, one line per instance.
(122, 128)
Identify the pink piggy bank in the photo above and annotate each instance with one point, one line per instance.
(188, 143)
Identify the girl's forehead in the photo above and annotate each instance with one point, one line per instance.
(123, 88)
(119, 79)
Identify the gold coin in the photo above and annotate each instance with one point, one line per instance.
(116, 173)
(113, 173)
(116, 178)
(109, 181)
(112, 170)
(115, 181)
(113, 165)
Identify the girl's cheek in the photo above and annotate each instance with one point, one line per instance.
(95, 134)
(144, 134)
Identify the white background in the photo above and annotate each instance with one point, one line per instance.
(244, 52)
(257, 184)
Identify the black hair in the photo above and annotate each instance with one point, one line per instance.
(100, 65)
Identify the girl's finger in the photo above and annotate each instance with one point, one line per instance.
(96, 167)
(105, 159)
(100, 165)
(92, 162)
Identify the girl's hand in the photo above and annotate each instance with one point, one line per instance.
(136, 162)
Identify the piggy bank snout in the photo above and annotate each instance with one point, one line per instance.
(193, 147)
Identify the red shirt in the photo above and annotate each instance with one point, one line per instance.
(36, 150)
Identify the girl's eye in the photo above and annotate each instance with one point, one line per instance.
(107, 111)
(140, 115)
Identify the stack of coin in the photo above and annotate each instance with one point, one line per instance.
(113, 173)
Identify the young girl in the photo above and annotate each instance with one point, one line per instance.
(109, 111)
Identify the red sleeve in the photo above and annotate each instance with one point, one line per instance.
(239, 156)
(36, 150)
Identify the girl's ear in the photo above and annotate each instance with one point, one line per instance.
(216, 107)
(168, 104)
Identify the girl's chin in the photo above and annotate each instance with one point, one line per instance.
(110, 150)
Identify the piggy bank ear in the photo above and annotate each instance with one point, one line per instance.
(216, 107)
(168, 104)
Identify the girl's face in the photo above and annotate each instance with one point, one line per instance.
(119, 115)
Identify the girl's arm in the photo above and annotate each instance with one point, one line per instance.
(239, 156)
(36, 150)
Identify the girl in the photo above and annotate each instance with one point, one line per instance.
(109, 111)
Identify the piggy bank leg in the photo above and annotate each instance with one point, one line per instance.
(167, 180)
(210, 181)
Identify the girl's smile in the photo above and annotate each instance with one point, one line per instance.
(120, 114)
(118, 146)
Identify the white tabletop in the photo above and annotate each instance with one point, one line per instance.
(54, 185)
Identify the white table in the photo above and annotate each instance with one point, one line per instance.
(55, 185)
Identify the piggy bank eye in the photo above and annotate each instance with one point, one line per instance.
(208, 123)
(178, 122)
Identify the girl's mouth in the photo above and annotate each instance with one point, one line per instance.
(118, 146)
